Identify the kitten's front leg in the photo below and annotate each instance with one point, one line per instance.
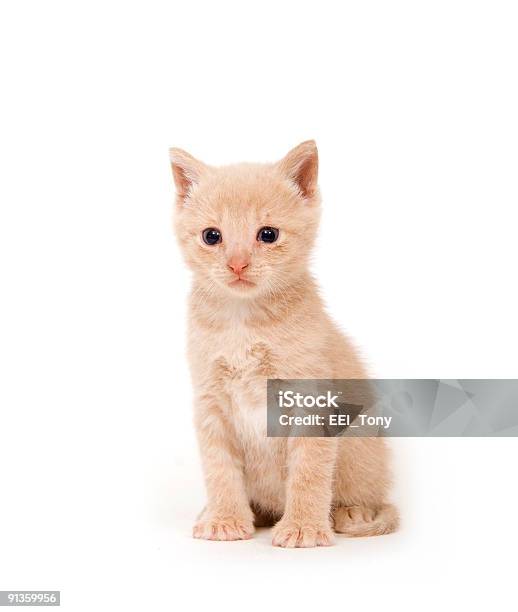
(306, 520)
(228, 515)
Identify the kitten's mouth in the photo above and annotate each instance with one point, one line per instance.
(241, 283)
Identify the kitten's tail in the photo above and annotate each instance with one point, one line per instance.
(357, 521)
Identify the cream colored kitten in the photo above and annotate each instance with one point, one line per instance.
(246, 232)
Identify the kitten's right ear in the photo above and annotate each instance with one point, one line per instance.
(301, 166)
(187, 170)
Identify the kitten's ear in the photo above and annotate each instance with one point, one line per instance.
(187, 170)
(301, 166)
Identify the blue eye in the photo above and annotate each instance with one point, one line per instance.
(267, 234)
(211, 236)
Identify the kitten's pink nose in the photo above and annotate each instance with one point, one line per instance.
(237, 264)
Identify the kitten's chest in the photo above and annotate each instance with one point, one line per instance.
(248, 361)
(239, 343)
(235, 346)
(245, 362)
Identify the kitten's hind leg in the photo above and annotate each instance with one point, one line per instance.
(361, 485)
(361, 521)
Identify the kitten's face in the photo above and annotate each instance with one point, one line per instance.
(247, 229)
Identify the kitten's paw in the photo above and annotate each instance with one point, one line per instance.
(358, 521)
(229, 528)
(292, 534)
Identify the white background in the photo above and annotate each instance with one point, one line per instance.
(414, 109)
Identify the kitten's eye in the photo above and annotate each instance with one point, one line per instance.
(211, 236)
(268, 234)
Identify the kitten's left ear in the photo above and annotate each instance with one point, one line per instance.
(187, 170)
(301, 166)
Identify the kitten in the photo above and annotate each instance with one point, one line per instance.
(246, 232)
